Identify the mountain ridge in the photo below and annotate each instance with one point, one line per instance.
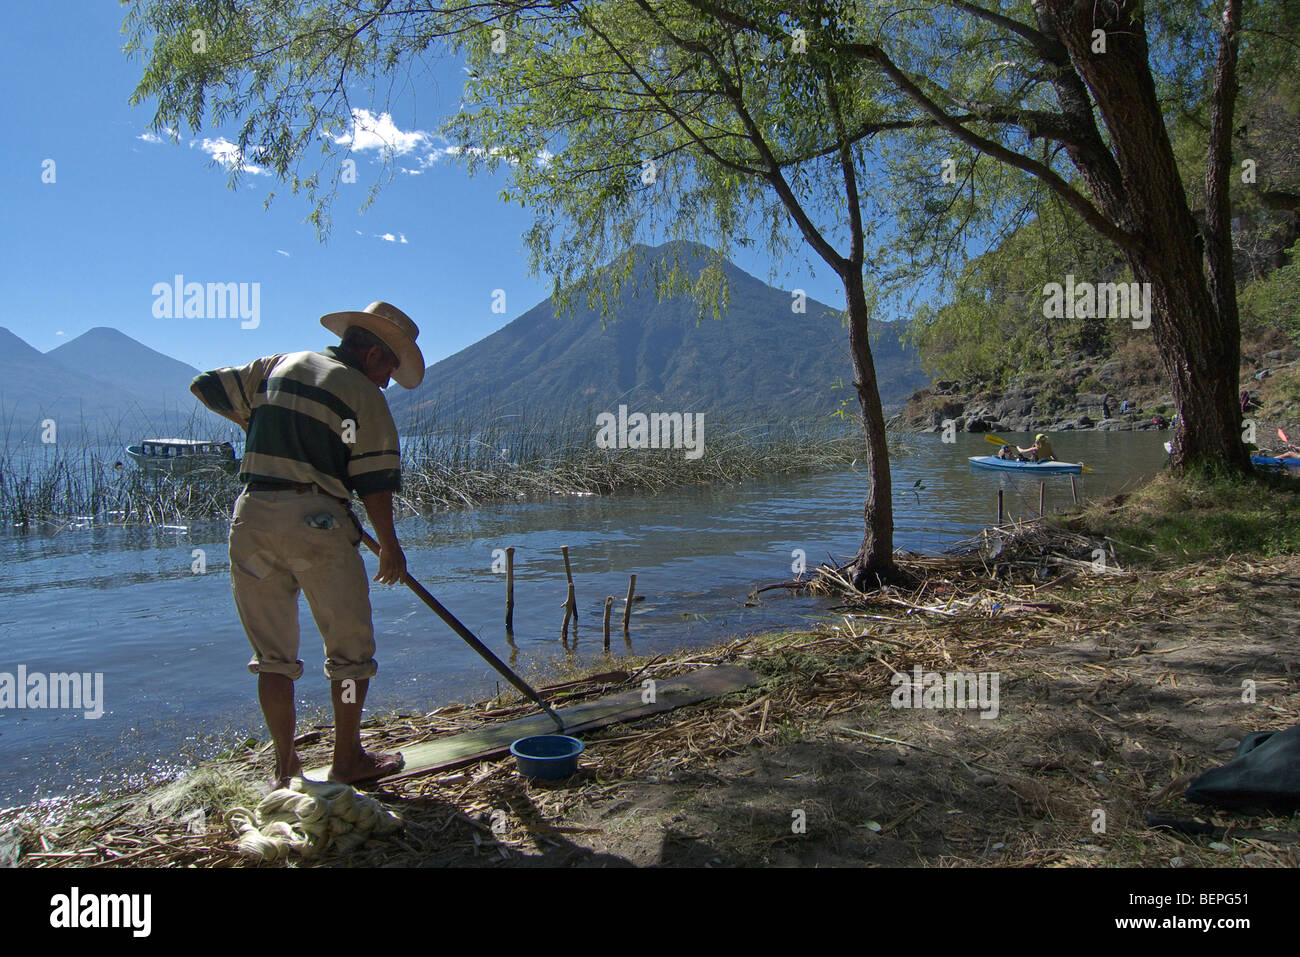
(761, 362)
(104, 346)
(59, 385)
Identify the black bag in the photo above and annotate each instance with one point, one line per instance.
(1264, 777)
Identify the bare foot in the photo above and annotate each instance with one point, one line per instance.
(292, 769)
(369, 766)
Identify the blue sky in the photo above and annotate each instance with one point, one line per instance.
(124, 214)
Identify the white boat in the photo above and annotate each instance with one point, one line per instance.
(182, 455)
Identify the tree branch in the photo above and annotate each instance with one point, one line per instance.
(773, 173)
(1077, 201)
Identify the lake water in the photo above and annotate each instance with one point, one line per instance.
(126, 603)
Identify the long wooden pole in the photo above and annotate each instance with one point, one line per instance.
(454, 623)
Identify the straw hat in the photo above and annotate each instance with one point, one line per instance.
(395, 328)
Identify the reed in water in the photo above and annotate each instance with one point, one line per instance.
(463, 462)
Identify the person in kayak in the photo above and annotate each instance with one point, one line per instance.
(1040, 451)
(1287, 451)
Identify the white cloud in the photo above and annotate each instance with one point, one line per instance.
(149, 136)
(437, 154)
(282, 252)
(458, 151)
(390, 238)
(228, 155)
(544, 156)
(371, 132)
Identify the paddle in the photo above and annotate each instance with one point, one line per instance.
(468, 635)
(993, 439)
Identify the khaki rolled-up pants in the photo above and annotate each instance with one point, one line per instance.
(277, 548)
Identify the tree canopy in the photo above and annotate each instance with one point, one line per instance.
(934, 127)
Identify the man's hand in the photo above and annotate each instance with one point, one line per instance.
(392, 564)
(392, 561)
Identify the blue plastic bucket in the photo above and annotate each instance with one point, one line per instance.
(548, 757)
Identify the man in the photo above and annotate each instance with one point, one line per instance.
(318, 429)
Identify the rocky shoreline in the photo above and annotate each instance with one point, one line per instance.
(1079, 394)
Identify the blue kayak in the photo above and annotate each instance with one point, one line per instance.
(1011, 465)
(1255, 459)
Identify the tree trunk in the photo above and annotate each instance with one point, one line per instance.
(1200, 344)
(874, 564)
(1201, 353)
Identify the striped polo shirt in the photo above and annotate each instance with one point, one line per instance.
(313, 417)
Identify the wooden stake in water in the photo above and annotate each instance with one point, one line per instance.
(609, 605)
(570, 602)
(1074, 492)
(999, 506)
(627, 609)
(1042, 497)
(568, 569)
(510, 589)
(568, 574)
(568, 614)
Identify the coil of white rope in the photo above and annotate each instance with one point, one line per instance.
(309, 817)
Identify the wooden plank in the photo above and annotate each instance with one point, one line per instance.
(494, 740)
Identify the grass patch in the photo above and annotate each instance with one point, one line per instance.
(211, 789)
(1197, 517)
(473, 464)
(74, 489)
